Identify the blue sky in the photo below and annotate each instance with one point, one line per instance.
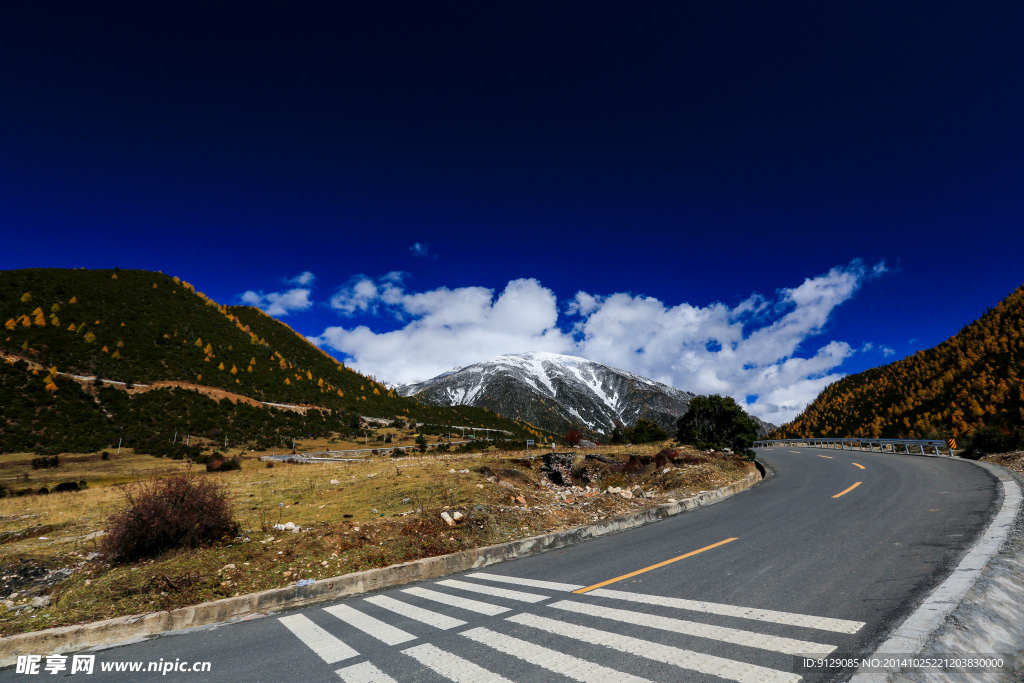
(747, 199)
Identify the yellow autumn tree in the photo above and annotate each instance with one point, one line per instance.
(199, 342)
(116, 354)
(73, 300)
(90, 337)
(26, 297)
(10, 324)
(221, 366)
(40, 317)
(54, 308)
(234, 370)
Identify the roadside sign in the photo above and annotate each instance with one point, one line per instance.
(951, 443)
(529, 442)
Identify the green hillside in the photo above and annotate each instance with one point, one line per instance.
(969, 382)
(139, 327)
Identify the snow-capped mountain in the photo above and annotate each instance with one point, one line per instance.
(555, 392)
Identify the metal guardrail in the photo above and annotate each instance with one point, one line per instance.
(855, 444)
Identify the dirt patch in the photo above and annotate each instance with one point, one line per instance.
(1012, 461)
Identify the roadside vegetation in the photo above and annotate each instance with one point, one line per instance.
(78, 555)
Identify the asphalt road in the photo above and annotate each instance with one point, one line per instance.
(857, 563)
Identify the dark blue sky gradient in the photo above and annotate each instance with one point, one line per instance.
(693, 152)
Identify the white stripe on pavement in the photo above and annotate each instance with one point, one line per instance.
(369, 625)
(494, 592)
(533, 583)
(716, 666)
(425, 616)
(787, 646)
(451, 667)
(364, 673)
(552, 660)
(329, 648)
(804, 620)
(455, 601)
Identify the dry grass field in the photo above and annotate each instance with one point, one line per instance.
(353, 516)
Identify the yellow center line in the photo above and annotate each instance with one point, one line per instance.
(654, 566)
(847, 490)
(825, 456)
(857, 464)
(794, 451)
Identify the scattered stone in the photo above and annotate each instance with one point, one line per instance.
(672, 500)
(227, 567)
(40, 602)
(463, 471)
(371, 476)
(479, 486)
(335, 482)
(457, 516)
(290, 526)
(447, 519)
(304, 582)
(627, 494)
(451, 471)
(521, 499)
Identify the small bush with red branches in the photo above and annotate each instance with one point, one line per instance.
(167, 514)
(573, 437)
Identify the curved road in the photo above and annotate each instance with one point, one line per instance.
(787, 567)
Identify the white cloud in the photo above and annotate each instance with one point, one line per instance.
(283, 303)
(420, 249)
(886, 351)
(754, 351)
(303, 279)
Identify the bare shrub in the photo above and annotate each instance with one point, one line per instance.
(162, 515)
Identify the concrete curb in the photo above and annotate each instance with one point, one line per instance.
(985, 601)
(132, 628)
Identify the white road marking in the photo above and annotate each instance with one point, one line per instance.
(425, 616)
(364, 673)
(329, 648)
(552, 660)
(788, 646)
(369, 625)
(533, 583)
(494, 592)
(451, 667)
(804, 620)
(687, 659)
(455, 601)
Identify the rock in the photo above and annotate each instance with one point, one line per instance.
(335, 482)
(371, 476)
(558, 467)
(457, 516)
(587, 444)
(463, 471)
(227, 567)
(522, 501)
(672, 500)
(40, 602)
(451, 471)
(8, 604)
(626, 494)
(613, 489)
(447, 519)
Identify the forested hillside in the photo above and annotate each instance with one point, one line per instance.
(137, 326)
(970, 381)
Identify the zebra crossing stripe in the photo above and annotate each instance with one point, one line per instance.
(455, 601)
(532, 583)
(736, 636)
(686, 659)
(804, 620)
(425, 616)
(552, 660)
(364, 673)
(493, 591)
(329, 648)
(369, 625)
(451, 667)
